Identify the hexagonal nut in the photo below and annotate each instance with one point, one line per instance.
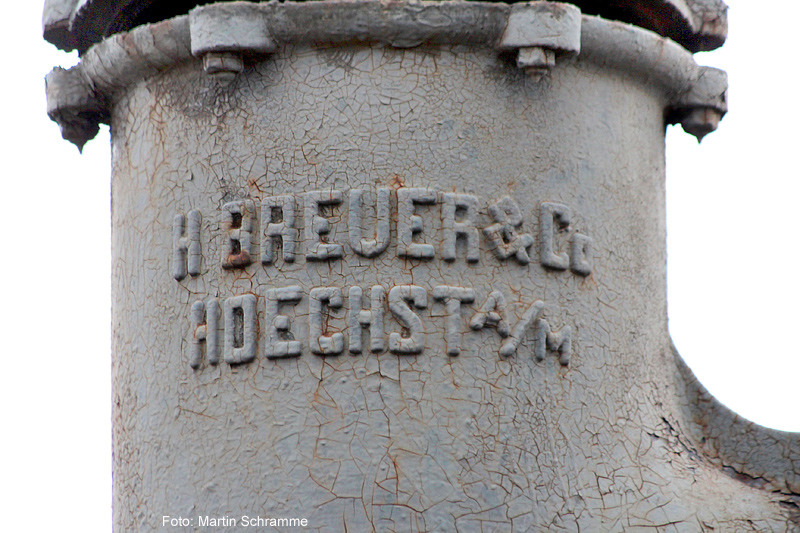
(224, 66)
(701, 121)
(536, 61)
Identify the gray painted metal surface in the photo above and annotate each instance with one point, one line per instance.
(69, 24)
(401, 266)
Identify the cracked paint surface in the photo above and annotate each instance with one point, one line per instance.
(427, 441)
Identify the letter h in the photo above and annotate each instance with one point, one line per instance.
(186, 244)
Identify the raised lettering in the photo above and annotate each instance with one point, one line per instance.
(320, 341)
(241, 329)
(186, 243)
(409, 224)
(318, 227)
(546, 339)
(553, 217)
(453, 297)
(580, 256)
(492, 314)
(238, 221)
(360, 318)
(460, 219)
(503, 239)
(229, 329)
(205, 331)
(278, 225)
(280, 340)
(376, 246)
(401, 300)
(509, 347)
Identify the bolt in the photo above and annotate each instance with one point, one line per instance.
(536, 61)
(224, 66)
(701, 121)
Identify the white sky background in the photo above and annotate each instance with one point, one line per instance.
(733, 228)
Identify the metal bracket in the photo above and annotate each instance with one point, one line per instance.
(703, 106)
(74, 106)
(539, 30)
(223, 34)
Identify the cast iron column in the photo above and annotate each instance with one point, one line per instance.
(400, 266)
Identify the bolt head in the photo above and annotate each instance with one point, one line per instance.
(701, 121)
(224, 66)
(536, 61)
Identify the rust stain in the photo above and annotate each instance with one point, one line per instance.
(396, 181)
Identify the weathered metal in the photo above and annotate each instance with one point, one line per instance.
(70, 24)
(401, 267)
